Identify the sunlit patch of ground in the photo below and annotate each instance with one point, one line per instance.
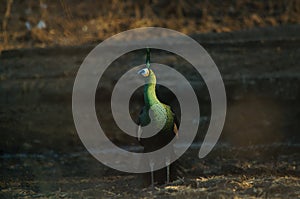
(82, 176)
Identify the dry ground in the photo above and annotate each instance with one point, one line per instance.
(223, 174)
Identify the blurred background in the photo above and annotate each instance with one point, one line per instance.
(34, 23)
(255, 44)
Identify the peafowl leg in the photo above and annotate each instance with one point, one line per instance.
(152, 173)
(168, 169)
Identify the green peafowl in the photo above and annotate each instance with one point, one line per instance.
(163, 115)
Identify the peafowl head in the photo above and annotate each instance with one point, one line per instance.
(146, 72)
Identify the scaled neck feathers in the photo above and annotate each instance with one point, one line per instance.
(149, 90)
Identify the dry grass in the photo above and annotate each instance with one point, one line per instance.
(76, 22)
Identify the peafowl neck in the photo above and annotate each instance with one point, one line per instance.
(149, 91)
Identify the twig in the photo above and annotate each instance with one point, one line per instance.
(66, 9)
(5, 20)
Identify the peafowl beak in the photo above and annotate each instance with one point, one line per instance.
(144, 72)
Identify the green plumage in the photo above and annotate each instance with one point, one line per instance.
(164, 119)
(162, 116)
(162, 113)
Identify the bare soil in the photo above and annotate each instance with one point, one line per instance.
(225, 173)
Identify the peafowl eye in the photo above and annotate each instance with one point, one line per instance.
(144, 72)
